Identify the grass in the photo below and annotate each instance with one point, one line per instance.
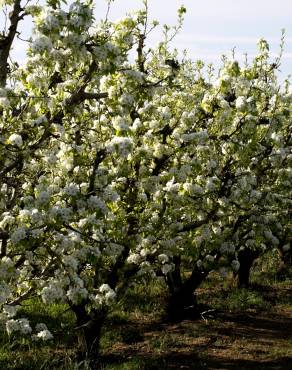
(22, 353)
(242, 328)
(225, 296)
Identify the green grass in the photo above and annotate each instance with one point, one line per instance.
(22, 353)
(224, 296)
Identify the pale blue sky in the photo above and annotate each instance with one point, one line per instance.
(214, 27)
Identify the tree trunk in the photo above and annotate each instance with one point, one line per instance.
(89, 333)
(285, 264)
(246, 258)
(182, 302)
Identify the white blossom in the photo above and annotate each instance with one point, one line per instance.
(163, 258)
(134, 258)
(45, 335)
(11, 311)
(241, 103)
(42, 44)
(166, 268)
(20, 325)
(18, 234)
(286, 247)
(15, 139)
(235, 265)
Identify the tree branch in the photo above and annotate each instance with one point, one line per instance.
(6, 41)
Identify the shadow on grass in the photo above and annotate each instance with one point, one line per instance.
(191, 361)
(254, 327)
(275, 294)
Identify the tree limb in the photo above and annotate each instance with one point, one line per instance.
(6, 41)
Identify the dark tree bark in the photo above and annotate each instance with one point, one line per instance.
(7, 40)
(246, 258)
(182, 303)
(285, 264)
(89, 332)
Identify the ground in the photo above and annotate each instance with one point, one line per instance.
(249, 339)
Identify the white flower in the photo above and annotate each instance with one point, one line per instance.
(104, 288)
(171, 186)
(159, 150)
(163, 258)
(110, 295)
(207, 102)
(188, 187)
(136, 124)
(51, 293)
(120, 124)
(77, 294)
(199, 137)
(4, 102)
(7, 220)
(209, 258)
(71, 189)
(112, 92)
(121, 145)
(64, 213)
(70, 262)
(223, 272)
(41, 44)
(106, 294)
(199, 264)
(241, 103)
(166, 268)
(6, 263)
(40, 120)
(197, 189)
(165, 113)
(3, 92)
(21, 325)
(16, 140)
(235, 265)
(18, 234)
(286, 247)
(45, 335)
(4, 292)
(96, 203)
(11, 326)
(40, 326)
(227, 248)
(211, 184)
(216, 229)
(126, 99)
(134, 258)
(24, 326)
(276, 137)
(43, 197)
(51, 21)
(24, 215)
(100, 53)
(10, 310)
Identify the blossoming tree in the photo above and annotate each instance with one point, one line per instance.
(239, 189)
(111, 169)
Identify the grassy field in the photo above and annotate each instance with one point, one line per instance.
(238, 329)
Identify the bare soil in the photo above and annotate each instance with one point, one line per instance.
(247, 340)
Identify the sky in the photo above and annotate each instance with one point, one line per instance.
(213, 27)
